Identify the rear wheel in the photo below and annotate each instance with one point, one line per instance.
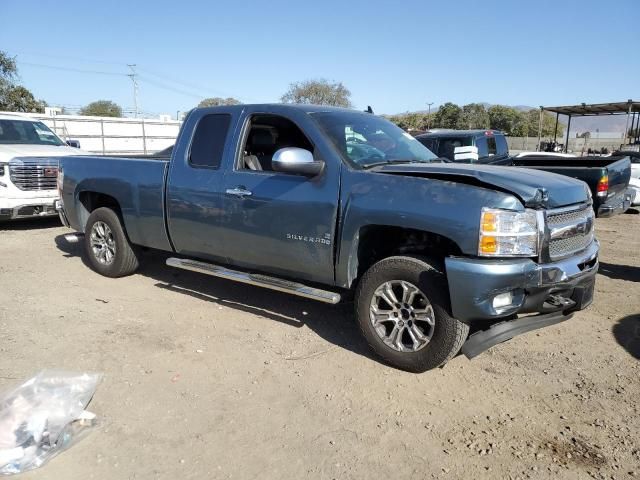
(107, 247)
(401, 307)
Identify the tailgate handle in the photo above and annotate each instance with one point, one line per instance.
(239, 191)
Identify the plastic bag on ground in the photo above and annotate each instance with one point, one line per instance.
(43, 417)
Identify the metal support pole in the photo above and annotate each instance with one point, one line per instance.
(555, 131)
(566, 144)
(626, 128)
(539, 128)
(633, 135)
(102, 135)
(144, 138)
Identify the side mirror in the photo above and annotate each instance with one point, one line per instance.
(296, 160)
(74, 143)
(461, 154)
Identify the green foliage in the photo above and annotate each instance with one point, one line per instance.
(13, 97)
(509, 120)
(411, 121)
(318, 92)
(474, 115)
(8, 68)
(503, 118)
(218, 101)
(16, 98)
(102, 108)
(448, 116)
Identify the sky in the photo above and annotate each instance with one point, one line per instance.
(395, 56)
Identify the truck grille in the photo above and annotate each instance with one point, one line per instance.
(570, 231)
(34, 173)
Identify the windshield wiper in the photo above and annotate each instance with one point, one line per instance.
(390, 162)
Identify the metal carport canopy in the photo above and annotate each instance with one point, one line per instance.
(586, 109)
(629, 108)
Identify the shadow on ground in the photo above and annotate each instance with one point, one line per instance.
(627, 334)
(620, 272)
(335, 324)
(30, 223)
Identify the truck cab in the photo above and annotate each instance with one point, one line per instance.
(29, 153)
(467, 146)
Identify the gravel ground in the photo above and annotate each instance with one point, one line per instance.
(204, 378)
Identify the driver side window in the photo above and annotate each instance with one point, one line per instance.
(267, 134)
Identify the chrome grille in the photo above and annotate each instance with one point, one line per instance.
(36, 173)
(570, 230)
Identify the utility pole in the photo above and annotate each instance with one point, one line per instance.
(133, 78)
(429, 116)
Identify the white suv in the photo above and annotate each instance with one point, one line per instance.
(29, 167)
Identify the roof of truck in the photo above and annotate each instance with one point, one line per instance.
(309, 108)
(460, 133)
(15, 116)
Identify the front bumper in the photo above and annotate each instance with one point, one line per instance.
(13, 208)
(550, 292)
(535, 288)
(619, 204)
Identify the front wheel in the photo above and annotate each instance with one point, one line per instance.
(107, 247)
(401, 308)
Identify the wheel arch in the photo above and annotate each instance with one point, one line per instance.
(376, 242)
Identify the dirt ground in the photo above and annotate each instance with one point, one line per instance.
(204, 378)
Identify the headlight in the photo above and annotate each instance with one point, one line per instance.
(505, 233)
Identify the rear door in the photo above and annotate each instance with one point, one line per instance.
(194, 195)
(279, 222)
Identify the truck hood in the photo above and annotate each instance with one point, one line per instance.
(7, 152)
(534, 188)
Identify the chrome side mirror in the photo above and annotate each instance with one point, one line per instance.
(74, 143)
(296, 160)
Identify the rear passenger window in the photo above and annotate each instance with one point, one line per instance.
(208, 141)
(491, 145)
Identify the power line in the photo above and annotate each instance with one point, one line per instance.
(164, 86)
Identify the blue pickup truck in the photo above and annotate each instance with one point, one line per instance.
(333, 204)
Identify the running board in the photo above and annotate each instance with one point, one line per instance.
(255, 279)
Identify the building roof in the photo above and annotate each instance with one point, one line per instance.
(590, 109)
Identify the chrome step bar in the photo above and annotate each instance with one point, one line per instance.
(255, 279)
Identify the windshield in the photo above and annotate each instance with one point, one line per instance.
(365, 140)
(26, 132)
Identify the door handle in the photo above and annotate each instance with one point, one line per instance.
(238, 192)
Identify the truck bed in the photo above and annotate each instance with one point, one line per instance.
(589, 169)
(137, 183)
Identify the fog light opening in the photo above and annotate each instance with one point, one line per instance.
(502, 300)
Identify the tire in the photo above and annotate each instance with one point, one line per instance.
(107, 247)
(408, 351)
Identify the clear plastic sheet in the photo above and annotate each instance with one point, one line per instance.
(43, 417)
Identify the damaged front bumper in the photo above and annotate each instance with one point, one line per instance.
(549, 293)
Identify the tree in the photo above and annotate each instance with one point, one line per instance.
(503, 118)
(218, 101)
(527, 125)
(318, 92)
(8, 69)
(474, 115)
(411, 121)
(102, 108)
(447, 116)
(15, 97)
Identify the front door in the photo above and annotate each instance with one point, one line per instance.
(277, 222)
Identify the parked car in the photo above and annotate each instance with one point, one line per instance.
(607, 177)
(269, 195)
(29, 153)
